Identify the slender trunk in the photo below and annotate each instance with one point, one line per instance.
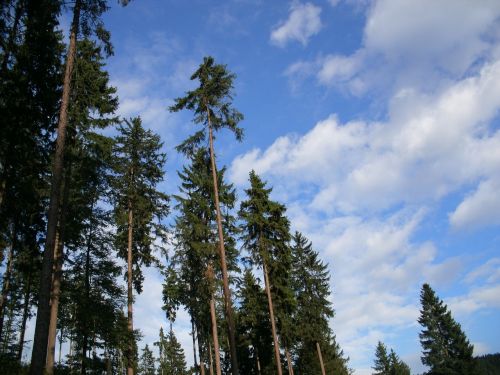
(271, 316)
(40, 341)
(27, 295)
(258, 360)
(85, 335)
(215, 336)
(109, 369)
(289, 361)
(210, 358)
(193, 333)
(60, 346)
(200, 352)
(6, 280)
(222, 253)
(56, 279)
(130, 354)
(318, 349)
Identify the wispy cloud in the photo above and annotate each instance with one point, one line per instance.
(303, 22)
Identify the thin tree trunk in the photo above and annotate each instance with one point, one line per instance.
(6, 278)
(40, 341)
(215, 336)
(289, 362)
(271, 316)
(210, 358)
(318, 349)
(193, 333)
(222, 253)
(258, 360)
(27, 295)
(130, 354)
(56, 280)
(60, 346)
(200, 352)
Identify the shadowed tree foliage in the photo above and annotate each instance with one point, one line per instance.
(446, 349)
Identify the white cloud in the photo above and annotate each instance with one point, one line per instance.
(303, 22)
(429, 147)
(412, 43)
(479, 209)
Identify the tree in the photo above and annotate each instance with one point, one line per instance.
(388, 363)
(211, 103)
(315, 345)
(138, 170)
(265, 236)
(146, 362)
(86, 20)
(446, 349)
(172, 359)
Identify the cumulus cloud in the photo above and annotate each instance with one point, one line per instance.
(429, 147)
(303, 22)
(411, 43)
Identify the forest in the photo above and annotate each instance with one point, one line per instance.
(82, 215)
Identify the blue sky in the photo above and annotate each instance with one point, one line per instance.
(376, 122)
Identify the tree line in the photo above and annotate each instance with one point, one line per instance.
(82, 213)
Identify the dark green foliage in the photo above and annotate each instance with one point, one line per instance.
(446, 349)
(138, 167)
(311, 286)
(388, 363)
(210, 102)
(146, 362)
(488, 364)
(172, 360)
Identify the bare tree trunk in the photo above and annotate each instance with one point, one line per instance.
(27, 295)
(211, 359)
(215, 336)
(318, 349)
(6, 279)
(258, 360)
(193, 333)
(289, 361)
(40, 341)
(222, 253)
(60, 346)
(271, 316)
(200, 353)
(56, 279)
(130, 354)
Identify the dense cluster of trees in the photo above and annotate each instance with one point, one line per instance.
(81, 215)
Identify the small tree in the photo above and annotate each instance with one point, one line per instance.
(172, 359)
(446, 349)
(388, 363)
(146, 362)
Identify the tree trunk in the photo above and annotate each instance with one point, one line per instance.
(222, 253)
(6, 280)
(193, 333)
(210, 358)
(258, 360)
(200, 353)
(271, 316)
(27, 295)
(289, 362)
(40, 341)
(318, 349)
(60, 346)
(215, 336)
(130, 325)
(56, 280)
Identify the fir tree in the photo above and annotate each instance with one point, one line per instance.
(172, 360)
(211, 103)
(382, 364)
(266, 235)
(446, 349)
(139, 169)
(146, 362)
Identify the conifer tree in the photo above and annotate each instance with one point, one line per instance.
(211, 103)
(382, 365)
(146, 362)
(446, 349)
(138, 203)
(172, 360)
(266, 236)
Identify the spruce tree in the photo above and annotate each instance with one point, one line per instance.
(172, 360)
(398, 367)
(211, 103)
(446, 349)
(139, 207)
(266, 236)
(146, 362)
(382, 364)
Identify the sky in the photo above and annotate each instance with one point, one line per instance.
(375, 122)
